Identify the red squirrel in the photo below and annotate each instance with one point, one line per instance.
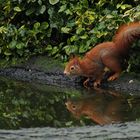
(105, 55)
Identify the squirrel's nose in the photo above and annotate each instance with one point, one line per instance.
(66, 73)
(66, 104)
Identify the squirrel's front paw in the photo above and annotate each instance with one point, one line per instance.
(85, 84)
(113, 77)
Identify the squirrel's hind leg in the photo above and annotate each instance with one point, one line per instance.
(114, 65)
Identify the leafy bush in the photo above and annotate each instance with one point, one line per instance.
(60, 27)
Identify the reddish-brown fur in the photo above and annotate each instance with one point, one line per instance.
(98, 108)
(106, 54)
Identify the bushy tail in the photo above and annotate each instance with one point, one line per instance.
(126, 35)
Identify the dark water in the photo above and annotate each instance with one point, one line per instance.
(34, 106)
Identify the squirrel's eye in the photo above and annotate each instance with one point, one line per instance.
(73, 107)
(72, 68)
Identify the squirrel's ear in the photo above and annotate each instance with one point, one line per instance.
(72, 56)
(76, 61)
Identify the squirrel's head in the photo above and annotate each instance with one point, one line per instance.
(73, 67)
(75, 107)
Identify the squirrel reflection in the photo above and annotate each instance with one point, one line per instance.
(102, 108)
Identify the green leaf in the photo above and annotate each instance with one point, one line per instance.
(48, 48)
(125, 6)
(40, 2)
(70, 49)
(36, 25)
(22, 27)
(44, 25)
(109, 16)
(83, 49)
(118, 6)
(53, 2)
(62, 8)
(85, 36)
(48, 32)
(30, 11)
(17, 9)
(69, 12)
(20, 45)
(42, 9)
(54, 50)
(7, 53)
(12, 44)
(3, 29)
(79, 30)
(74, 38)
(65, 30)
(137, 15)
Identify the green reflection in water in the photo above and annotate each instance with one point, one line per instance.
(25, 104)
(32, 105)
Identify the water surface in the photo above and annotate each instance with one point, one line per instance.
(26, 105)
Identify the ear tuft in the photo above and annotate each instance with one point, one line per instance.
(76, 61)
(72, 55)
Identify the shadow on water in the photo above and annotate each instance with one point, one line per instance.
(34, 105)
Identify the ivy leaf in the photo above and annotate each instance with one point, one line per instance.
(79, 30)
(20, 45)
(54, 50)
(36, 25)
(49, 48)
(7, 53)
(65, 30)
(53, 2)
(62, 8)
(42, 9)
(85, 36)
(125, 6)
(3, 29)
(137, 15)
(118, 6)
(83, 49)
(30, 11)
(68, 12)
(12, 44)
(17, 9)
(44, 25)
(40, 2)
(70, 49)
(109, 16)
(74, 38)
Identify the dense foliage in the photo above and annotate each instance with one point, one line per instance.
(60, 27)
